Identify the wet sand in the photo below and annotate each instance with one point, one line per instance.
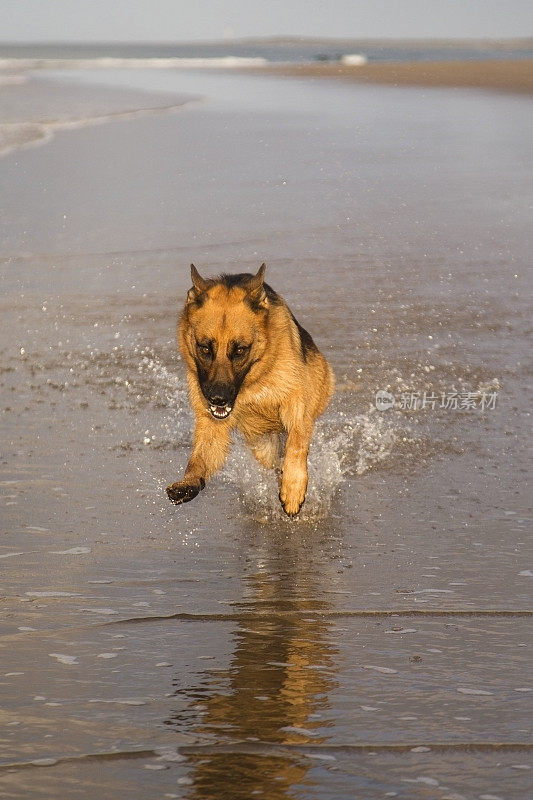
(377, 646)
(511, 76)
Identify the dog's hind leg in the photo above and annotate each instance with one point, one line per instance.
(267, 449)
(210, 448)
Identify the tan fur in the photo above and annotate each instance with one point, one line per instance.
(283, 391)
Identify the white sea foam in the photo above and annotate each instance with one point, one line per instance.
(402, 630)
(421, 778)
(64, 659)
(53, 594)
(354, 59)
(225, 62)
(107, 611)
(383, 670)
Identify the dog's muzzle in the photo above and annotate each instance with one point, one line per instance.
(220, 399)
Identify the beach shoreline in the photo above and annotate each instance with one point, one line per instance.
(34, 107)
(509, 76)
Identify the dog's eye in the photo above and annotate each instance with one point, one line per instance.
(204, 349)
(239, 351)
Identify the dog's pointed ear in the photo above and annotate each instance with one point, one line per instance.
(199, 285)
(257, 281)
(256, 293)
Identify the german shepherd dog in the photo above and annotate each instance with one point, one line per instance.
(250, 366)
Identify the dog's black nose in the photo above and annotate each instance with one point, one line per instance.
(218, 400)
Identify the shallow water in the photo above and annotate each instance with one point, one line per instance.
(219, 649)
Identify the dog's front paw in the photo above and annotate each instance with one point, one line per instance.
(292, 499)
(183, 491)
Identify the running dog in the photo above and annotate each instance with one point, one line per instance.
(250, 366)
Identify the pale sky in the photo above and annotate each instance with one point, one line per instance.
(185, 20)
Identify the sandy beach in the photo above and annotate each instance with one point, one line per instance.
(511, 76)
(378, 645)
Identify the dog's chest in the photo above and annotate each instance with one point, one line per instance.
(255, 419)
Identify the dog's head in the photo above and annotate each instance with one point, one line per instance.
(223, 334)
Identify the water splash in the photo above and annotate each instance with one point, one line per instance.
(342, 445)
(378, 436)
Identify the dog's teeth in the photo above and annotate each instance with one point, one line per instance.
(220, 411)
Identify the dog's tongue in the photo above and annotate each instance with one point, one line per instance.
(221, 409)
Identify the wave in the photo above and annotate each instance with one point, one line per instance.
(22, 135)
(224, 62)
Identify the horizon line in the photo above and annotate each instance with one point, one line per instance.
(275, 38)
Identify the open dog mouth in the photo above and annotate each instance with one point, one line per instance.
(220, 412)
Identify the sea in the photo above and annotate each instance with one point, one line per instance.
(256, 51)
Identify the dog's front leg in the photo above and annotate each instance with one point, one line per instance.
(210, 448)
(294, 476)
